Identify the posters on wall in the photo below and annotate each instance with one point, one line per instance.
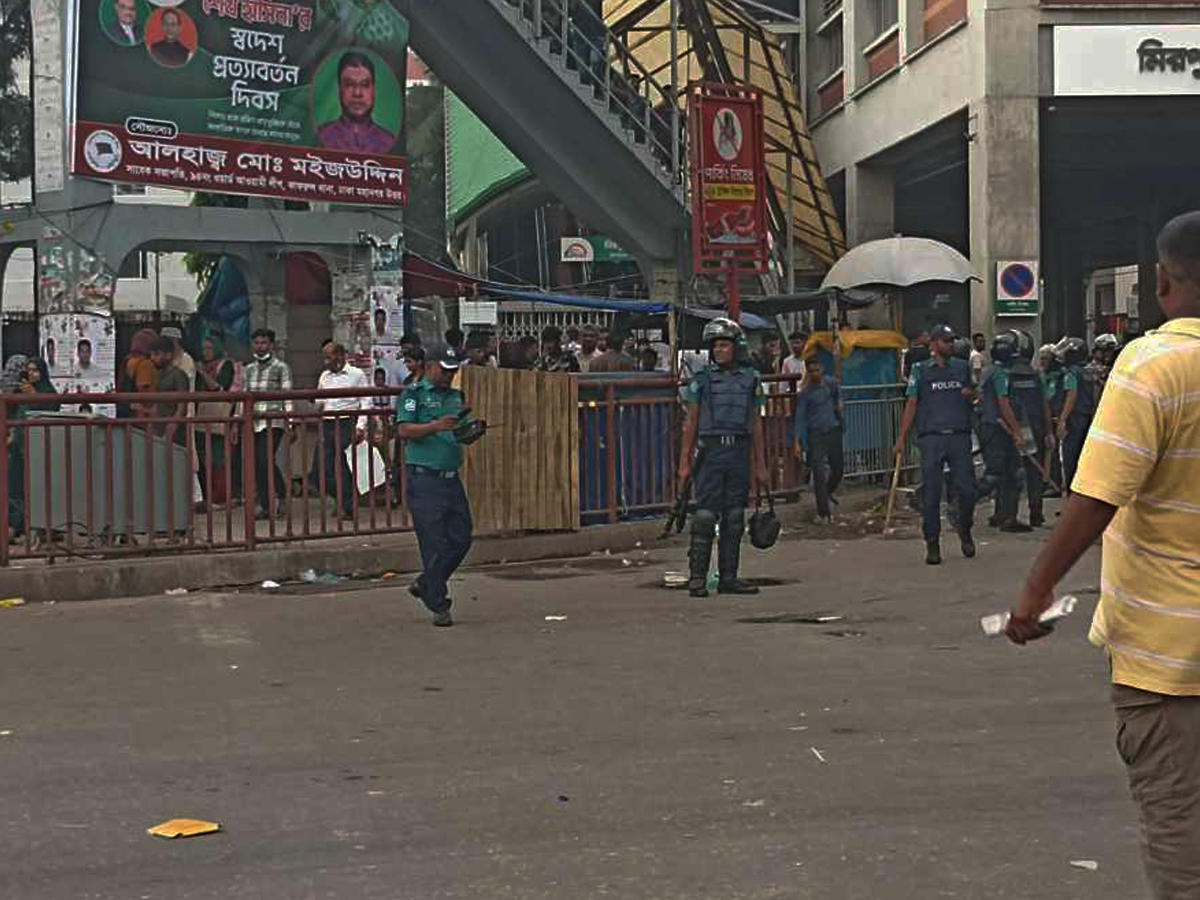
(301, 100)
(81, 351)
(387, 327)
(71, 278)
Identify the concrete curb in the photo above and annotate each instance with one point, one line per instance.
(37, 582)
(368, 556)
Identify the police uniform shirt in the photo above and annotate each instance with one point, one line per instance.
(423, 403)
(695, 389)
(995, 387)
(941, 406)
(1074, 379)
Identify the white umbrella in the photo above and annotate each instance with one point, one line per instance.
(899, 262)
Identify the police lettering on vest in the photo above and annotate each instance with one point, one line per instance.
(941, 406)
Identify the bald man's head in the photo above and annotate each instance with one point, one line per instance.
(1179, 267)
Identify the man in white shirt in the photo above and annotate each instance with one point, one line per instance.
(979, 356)
(794, 364)
(339, 431)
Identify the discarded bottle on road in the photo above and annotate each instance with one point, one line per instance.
(994, 625)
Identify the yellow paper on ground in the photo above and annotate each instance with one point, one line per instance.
(177, 828)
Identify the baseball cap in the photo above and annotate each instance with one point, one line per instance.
(443, 355)
(941, 333)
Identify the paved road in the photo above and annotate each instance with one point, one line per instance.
(648, 746)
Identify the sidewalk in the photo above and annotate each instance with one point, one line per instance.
(37, 581)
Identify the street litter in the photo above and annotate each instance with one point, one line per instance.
(386, 575)
(1090, 864)
(12, 602)
(556, 618)
(5, 733)
(175, 592)
(755, 803)
(674, 579)
(311, 577)
(817, 753)
(270, 585)
(626, 562)
(1061, 608)
(177, 828)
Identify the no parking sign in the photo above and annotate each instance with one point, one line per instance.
(1017, 289)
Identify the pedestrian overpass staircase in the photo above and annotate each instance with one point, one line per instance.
(590, 109)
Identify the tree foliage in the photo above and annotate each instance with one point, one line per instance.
(16, 108)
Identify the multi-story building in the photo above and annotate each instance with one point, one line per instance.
(1060, 134)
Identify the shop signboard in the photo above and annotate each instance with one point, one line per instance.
(301, 100)
(729, 217)
(1017, 289)
(607, 250)
(1125, 60)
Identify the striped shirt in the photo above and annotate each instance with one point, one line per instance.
(1143, 456)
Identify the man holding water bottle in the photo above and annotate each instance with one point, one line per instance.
(1138, 484)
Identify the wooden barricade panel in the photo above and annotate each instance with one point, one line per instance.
(523, 476)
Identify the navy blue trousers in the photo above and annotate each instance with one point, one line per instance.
(938, 451)
(441, 517)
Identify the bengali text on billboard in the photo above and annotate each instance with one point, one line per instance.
(302, 100)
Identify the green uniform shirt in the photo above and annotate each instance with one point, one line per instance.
(423, 403)
(1070, 381)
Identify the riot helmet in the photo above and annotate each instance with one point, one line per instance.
(1072, 351)
(1106, 342)
(723, 329)
(962, 349)
(1025, 346)
(1005, 346)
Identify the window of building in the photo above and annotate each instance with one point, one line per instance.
(882, 15)
(829, 50)
(830, 8)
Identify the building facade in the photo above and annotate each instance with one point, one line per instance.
(1055, 135)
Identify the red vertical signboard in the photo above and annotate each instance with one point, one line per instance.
(729, 196)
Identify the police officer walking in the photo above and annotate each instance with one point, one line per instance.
(432, 423)
(1031, 396)
(1079, 405)
(724, 401)
(1001, 435)
(939, 402)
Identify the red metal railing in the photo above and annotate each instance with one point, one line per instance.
(97, 487)
(91, 486)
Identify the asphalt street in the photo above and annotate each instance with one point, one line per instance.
(644, 746)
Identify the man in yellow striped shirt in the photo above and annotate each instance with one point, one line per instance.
(1138, 483)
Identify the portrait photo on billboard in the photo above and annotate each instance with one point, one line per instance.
(231, 96)
(171, 38)
(357, 102)
(123, 21)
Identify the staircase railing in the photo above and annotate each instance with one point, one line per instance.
(649, 112)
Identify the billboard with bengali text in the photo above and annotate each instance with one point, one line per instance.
(298, 100)
(729, 217)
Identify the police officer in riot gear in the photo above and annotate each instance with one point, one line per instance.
(1053, 372)
(724, 402)
(1030, 398)
(939, 401)
(1001, 435)
(1080, 391)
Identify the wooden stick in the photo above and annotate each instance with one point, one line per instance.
(887, 519)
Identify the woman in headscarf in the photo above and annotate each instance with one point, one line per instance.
(137, 375)
(37, 381)
(13, 381)
(215, 372)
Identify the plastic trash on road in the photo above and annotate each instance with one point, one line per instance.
(12, 602)
(311, 577)
(993, 625)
